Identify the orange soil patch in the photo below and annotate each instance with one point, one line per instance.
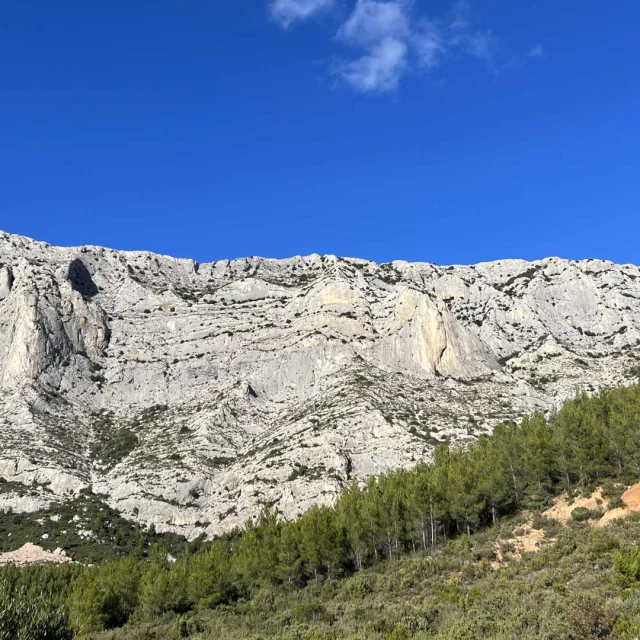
(526, 540)
(631, 499)
(531, 540)
(561, 509)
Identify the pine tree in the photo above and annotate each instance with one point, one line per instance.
(353, 519)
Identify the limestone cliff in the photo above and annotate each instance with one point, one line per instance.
(189, 395)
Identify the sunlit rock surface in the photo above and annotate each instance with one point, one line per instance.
(190, 395)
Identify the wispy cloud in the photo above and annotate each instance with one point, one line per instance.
(373, 21)
(398, 40)
(429, 45)
(379, 70)
(538, 51)
(460, 16)
(390, 39)
(287, 12)
(482, 45)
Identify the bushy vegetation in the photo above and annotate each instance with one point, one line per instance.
(408, 554)
(33, 603)
(567, 591)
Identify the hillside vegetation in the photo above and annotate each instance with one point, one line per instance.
(411, 554)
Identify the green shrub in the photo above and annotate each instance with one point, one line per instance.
(626, 567)
(359, 586)
(185, 627)
(311, 611)
(581, 514)
(399, 633)
(31, 615)
(624, 630)
(612, 491)
(105, 597)
(591, 617)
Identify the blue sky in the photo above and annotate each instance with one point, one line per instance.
(448, 132)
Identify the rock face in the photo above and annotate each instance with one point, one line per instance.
(190, 395)
(6, 281)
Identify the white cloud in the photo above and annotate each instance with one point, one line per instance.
(286, 12)
(380, 70)
(383, 29)
(390, 39)
(429, 45)
(373, 21)
(396, 42)
(482, 45)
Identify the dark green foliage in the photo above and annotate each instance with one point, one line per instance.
(32, 603)
(581, 514)
(117, 447)
(565, 592)
(29, 616)
(105, 597)
(613, 492)
(626, 567)
(113, 443)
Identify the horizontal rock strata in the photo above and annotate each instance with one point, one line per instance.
(189, 395)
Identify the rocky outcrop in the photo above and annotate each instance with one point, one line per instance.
(189, 395)
(31, 554)
(6, 281)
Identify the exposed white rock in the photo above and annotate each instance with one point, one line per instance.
(6, 281)
(189, 395)
(31, 554)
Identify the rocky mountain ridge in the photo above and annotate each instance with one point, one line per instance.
(188, 395)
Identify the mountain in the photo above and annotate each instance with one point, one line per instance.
(189, 395)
